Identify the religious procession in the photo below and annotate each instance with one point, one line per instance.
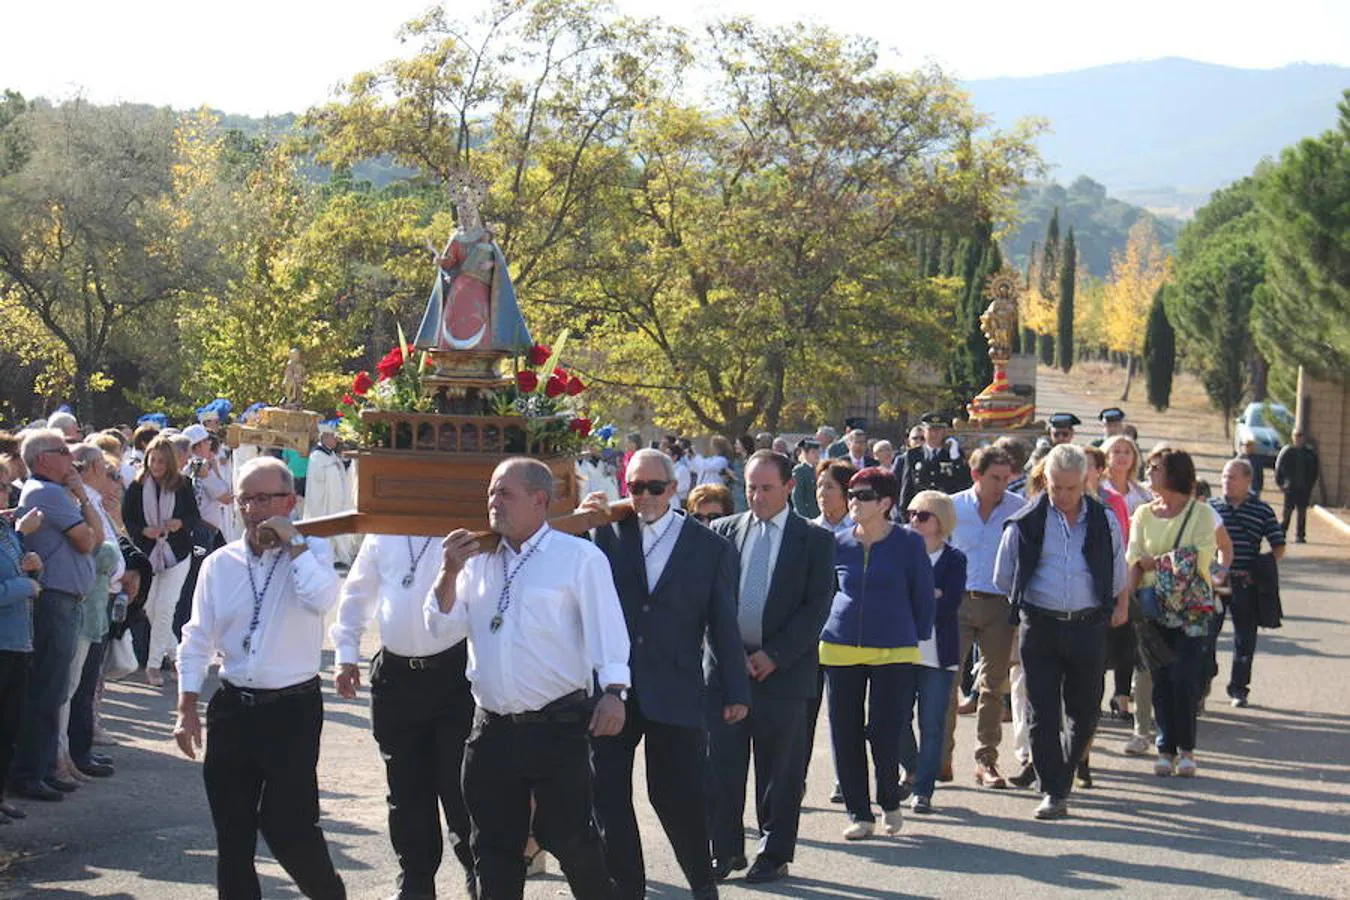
(637, 498)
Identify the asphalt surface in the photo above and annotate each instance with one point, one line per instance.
(1269, 815)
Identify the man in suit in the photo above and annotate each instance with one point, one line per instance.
(858, 457)
(677, 582)
(935, 465)
(786, 585)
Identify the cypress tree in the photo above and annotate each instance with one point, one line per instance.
(1067, 274)
(1160, 354)
(1050, 259)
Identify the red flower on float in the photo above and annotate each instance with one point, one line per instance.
(580, 425)
(527, 381)
(362, 384)
(539, 355)
(556, 386)
(348, 400)
(575, 386)
(392, 363)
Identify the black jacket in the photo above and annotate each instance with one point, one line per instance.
(1296, 468)
(184, 509)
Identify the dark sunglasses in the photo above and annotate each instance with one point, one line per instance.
(864, 495)
(654, 487)
(918, 515)
(700, 517)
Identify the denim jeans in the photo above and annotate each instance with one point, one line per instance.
(56, 623)
(931, 690)
(1176, 691)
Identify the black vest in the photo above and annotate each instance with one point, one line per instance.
(1097, 549)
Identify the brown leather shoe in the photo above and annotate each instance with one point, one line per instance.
(986, 775)
(968, 706)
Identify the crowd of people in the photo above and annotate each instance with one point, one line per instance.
(756, 580)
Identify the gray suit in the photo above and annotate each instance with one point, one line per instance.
(800, 590)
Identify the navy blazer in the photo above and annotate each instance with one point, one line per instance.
(800, 591)
(694, 599)
(949, 576)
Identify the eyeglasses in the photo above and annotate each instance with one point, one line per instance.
(700, 517)
(256, 499)
(918, 515)
(655, 487)
(64, 451)
(863, 495)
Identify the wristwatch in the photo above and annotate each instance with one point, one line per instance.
(615, 690)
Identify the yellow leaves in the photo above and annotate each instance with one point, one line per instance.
(1136, 275)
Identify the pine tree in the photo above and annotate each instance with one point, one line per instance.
(1067, 275)
(1160, 353)
(1050, 259)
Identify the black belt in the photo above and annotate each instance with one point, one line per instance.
(1091, 614)
(987, 596)
(416, 663)
(569, 708)
(263, 696)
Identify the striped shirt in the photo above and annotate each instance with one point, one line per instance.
(1247, 523)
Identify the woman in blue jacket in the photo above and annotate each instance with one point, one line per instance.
(932, 517)
(18, 589)
(870, 646)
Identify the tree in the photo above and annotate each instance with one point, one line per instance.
(1067, 280)
(1220, 268)
(1136, 276)
(90, 232)
(1048, 283)
(1160, 354)
(1304, 200)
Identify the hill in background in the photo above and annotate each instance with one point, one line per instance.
(1165, 133)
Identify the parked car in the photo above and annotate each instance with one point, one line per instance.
(1263, 424)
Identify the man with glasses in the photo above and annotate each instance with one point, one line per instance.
(981, 511)
(260, 603)
(677, 584)
(786, 585)
(71, 531)
(1061, 427)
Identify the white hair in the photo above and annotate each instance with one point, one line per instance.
(36, 441)
(1240, 465)
(1066, 458)
(62, 421)
(641, 456)
(269, 464)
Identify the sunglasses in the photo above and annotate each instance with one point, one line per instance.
(918, 515)
(655, 487)
(700, 517)
(864, 495)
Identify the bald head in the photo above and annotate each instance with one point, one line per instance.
(519, 497)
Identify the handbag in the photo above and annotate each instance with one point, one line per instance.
(1147, 597)
(120, 660)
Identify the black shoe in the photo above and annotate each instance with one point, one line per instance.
(1084, 774)
(96, 769)
(1025, 778)
(65, 787)
(1052, 808)
(922, 805)
(101, 758)
(724, 867)
(837, 795)
(765, 870)
(37, 790)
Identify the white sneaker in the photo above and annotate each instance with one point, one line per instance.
(1186, 767)
(894, 819)
(859, 831)
(1162, 767)
(1139, 746)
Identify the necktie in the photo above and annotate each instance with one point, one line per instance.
(755, 591)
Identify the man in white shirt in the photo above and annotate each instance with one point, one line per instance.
(543, 622)
(328, 490)
(677, 582)
(420, 706)
(260, 602)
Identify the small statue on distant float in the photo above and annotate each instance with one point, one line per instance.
(293, 381)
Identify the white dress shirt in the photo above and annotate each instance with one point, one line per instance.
(708, 469)
(564, 622)
(775, 541)
(374, 588)
(658, 539)
(285, 649)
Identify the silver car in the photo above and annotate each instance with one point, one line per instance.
(1263, 424)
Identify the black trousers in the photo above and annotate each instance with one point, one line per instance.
(776, 730)
(13, 695)
(421, 718)
(505, 763)
(675, 757)
(1064, 664)
(866, 707)
(1122, 658)
(1297, 499)
(260, 774)
(81, 728)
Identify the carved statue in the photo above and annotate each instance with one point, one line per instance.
(293, 380)
(472, 304)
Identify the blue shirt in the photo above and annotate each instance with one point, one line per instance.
(17, 591)
(979, 540)
(63, 567)
(1062, 581)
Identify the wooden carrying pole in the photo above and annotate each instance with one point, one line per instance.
(431, 526)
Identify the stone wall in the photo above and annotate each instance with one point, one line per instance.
(1324, 410)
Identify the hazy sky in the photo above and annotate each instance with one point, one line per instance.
(257, 57)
